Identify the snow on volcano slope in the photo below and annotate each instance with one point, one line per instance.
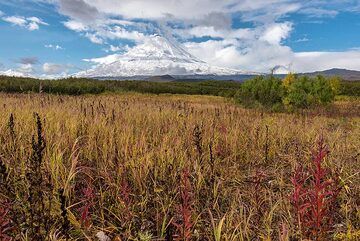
(14, 73)
(156, 56)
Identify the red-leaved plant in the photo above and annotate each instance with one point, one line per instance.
(5, 222)
(185, 208)
(125, 195)
(314, 197)
(88, 204)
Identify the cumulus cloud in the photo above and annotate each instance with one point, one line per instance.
(94, 38)
(118, 32)
(109, 29)
(20, 21)
(26, 68)
(275, 33)
(256, 49)
(31, 23)
(52, 68)
(75, 26)
(36, 20)
(248, 55)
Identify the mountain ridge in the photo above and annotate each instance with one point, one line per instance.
(346, 74)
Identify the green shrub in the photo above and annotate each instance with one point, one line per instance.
(299, 93)
(265, 91)
(305, 92)
(323, 90)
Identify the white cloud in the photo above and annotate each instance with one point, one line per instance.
(267, 11)
(104, 60)
(160, 8)
(33, 26)
(54, 47)
(118, 32)
(75, 26)
(31, 23)
(206, 31)
(37, 20)
(26, 68)
(304, 39)
(113, 48)
(108, 29)
(56, 71)
(312, 61)
(253, 55)
(319, 13)
(51, 68)
(275, 33)
(94, 38)
(16, 20)
(256, 49)
(262, 57)
(1, 13)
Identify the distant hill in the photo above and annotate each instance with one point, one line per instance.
(185, 78)
(349, 75)
(161, 78)
(345, 74)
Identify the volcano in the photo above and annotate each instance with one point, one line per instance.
(155, 56)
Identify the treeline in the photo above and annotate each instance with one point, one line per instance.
(350, 88)
(260, 89)
(77, 86)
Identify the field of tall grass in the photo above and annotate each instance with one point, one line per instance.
(176, 167)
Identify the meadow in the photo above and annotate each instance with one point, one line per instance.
(132, 166)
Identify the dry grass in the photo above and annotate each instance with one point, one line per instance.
(117, 163)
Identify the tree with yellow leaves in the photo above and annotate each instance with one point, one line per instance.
(288, 80)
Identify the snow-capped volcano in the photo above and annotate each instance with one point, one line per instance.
(156, 56)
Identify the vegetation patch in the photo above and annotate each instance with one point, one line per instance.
(289, 93)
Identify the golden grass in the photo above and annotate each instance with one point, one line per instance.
(132, 148)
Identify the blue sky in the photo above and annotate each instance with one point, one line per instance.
(53, 37)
